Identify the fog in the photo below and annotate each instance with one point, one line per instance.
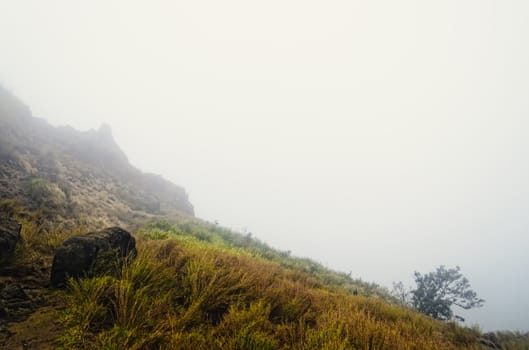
(376, 137)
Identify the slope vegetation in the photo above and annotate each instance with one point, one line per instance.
(192, 285)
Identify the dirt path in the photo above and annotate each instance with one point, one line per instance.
(29, 309)
(39, 331)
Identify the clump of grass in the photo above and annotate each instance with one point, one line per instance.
(11, 207)
(40, 241)
(507, 340)
(156, 234)
(132, 310)
(247, 327)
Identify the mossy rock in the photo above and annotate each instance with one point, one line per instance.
(91, 254)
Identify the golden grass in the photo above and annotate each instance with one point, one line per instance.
(39, 243)
(187, 291)
(183, 294)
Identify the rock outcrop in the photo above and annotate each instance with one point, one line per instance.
(14, 301)
(92, 253)
(59, 171)
(9, 237)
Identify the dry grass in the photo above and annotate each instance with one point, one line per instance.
(187, 292)
(183, 294)
(39, 243)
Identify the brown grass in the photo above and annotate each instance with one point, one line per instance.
(183, 294)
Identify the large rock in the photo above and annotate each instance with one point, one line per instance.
(9, 236)
(14, 301)
(85, 255)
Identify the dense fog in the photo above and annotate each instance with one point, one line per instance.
(377, 137)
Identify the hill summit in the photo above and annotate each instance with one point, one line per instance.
(69, 174)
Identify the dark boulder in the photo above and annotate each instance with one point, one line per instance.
(9, 237)
(90, 254)
(14, 296)
(14, 302)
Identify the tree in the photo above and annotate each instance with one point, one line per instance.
(437, 291)
(401, 293)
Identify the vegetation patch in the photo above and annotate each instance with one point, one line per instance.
(186, 293)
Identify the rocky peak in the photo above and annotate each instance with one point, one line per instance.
(105, 131)
(69, 172)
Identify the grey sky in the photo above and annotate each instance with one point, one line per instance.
(378, 137)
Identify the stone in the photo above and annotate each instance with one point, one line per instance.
(13, 293)
(3, 310)
(14, 302)
(85, 255)
(9, 237)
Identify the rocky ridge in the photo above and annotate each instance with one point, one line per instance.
(73, 175)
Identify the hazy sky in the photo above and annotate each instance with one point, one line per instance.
(377, 137)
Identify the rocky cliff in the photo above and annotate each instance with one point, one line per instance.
(67, 175)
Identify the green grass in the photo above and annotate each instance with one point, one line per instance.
(201, 291)
(246, 244)
(197, 286)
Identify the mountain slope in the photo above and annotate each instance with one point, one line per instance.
(70, 175)
(192, 285)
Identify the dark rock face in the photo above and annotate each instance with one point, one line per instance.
(13, 296)
(14, 302)
(83, 255)
(9, 236)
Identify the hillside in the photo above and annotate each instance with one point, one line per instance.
(70, 175)
(191, 285)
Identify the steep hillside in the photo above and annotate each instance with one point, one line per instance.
(72, 175)
(188, 285)
(195, 285)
